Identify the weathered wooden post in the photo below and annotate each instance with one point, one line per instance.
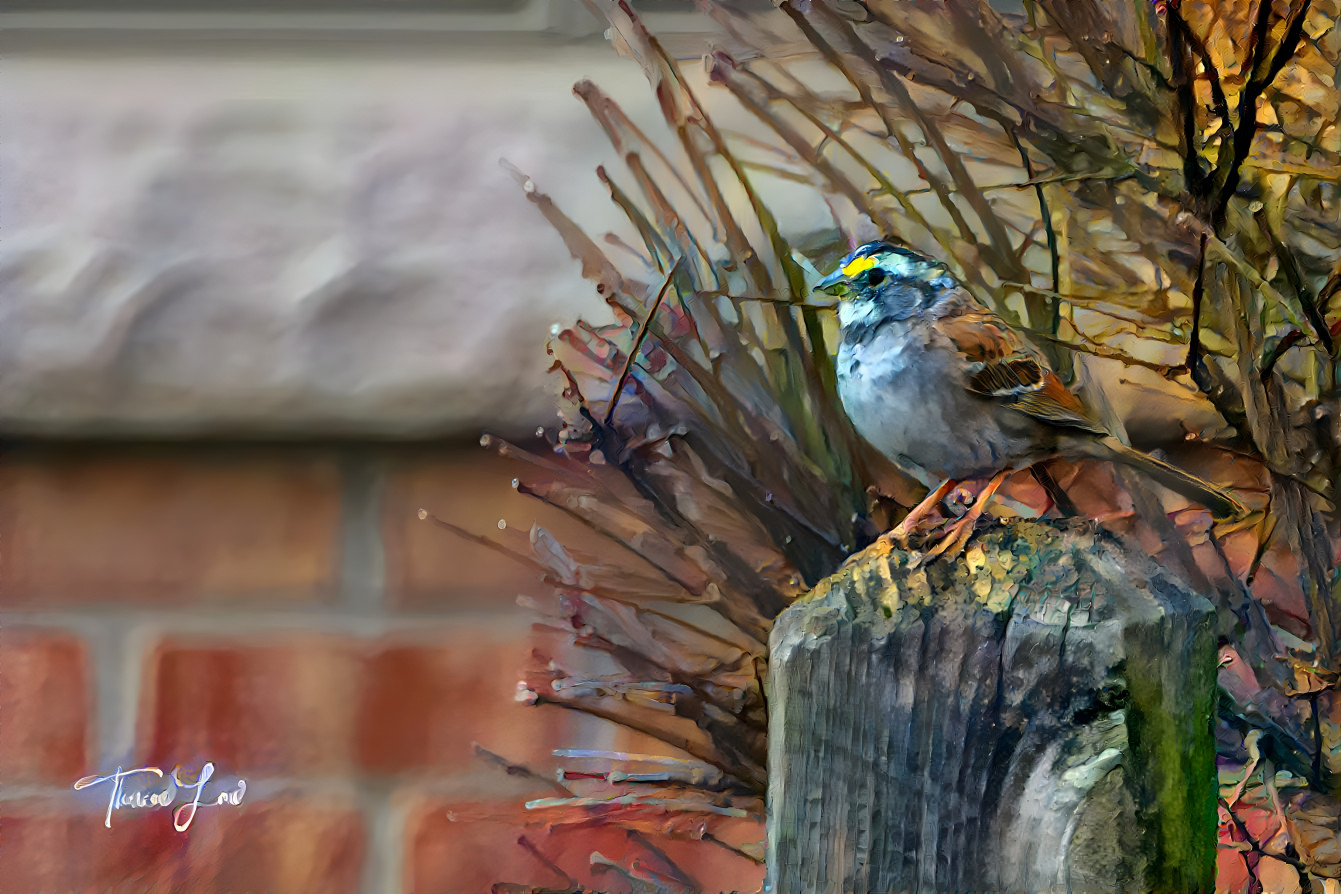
(1035, 716)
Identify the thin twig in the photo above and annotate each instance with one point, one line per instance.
(1099, 351)
(1267, 530)
(839, 61)
(571, 883)
(638, 340)
(1289, 266)
(495, 546)
(1193, 362)
(515, 769)
(1045, 215)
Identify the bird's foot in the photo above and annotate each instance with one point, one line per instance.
(954, 534)
(900, 536)
(912, 522)
(957, 534)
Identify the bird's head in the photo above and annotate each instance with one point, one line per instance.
(880, 281)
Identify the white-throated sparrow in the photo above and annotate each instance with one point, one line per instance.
(947, 391)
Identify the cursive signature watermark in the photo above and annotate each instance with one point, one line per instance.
(192, 793)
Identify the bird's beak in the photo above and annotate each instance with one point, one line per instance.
(834, 284)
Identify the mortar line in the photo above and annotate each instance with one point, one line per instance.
(260, 620)
(476, 781)
(385, 831)
(362, 555)
(119, 664)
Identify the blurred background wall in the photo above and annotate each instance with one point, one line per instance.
(262, 283)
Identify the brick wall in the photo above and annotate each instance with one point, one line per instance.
(282, 612)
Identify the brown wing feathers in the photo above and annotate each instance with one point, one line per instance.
(1002, 367)
(1054, 404)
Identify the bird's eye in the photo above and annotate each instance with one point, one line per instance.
(875, 277)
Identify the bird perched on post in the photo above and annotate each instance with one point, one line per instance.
(948, 392)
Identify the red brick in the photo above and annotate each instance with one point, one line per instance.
(277, 704)
(308, 705)
(468, 846)
(154, 526)
(429, 566)
(289, 844)
(44, 707)
(426, 701)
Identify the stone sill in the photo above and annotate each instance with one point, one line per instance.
(545, 21)
(308, 236)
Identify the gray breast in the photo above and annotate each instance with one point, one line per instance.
(911, 402)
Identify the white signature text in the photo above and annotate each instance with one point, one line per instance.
(192, 793)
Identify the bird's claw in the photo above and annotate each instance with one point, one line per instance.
(956, 537)
(899, 534)
(957, 534)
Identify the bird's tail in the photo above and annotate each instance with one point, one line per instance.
(1221, 503)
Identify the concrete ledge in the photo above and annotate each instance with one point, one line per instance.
(274, 243)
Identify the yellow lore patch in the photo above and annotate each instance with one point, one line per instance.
(857, 266)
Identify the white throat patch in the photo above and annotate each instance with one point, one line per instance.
(855, 311)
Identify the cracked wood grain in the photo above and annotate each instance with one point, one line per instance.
(1035, 716)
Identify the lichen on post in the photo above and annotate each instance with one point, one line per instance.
(1035, 715)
